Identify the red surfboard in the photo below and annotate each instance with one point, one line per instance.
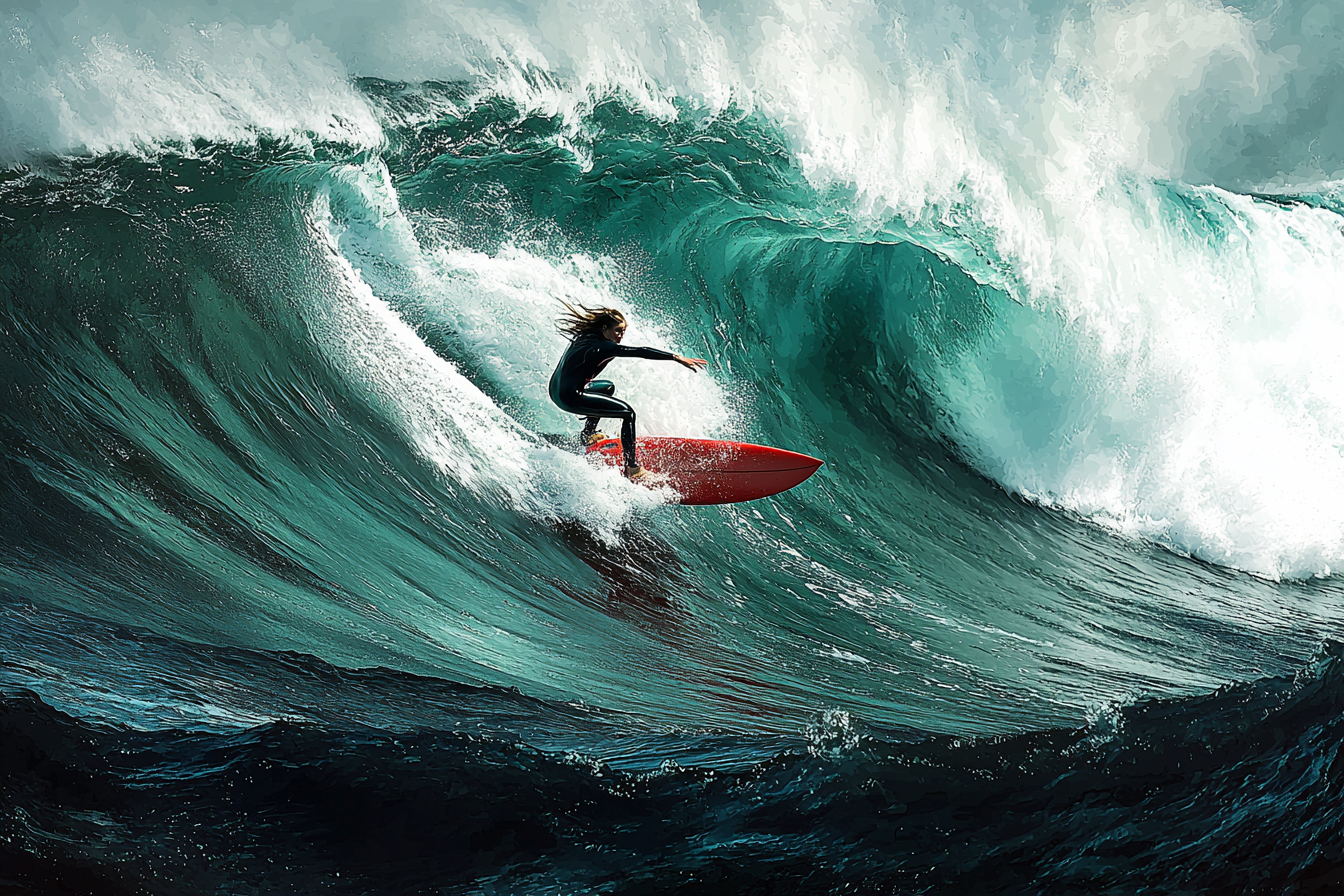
(705, 471)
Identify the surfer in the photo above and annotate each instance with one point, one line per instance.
(595, 338)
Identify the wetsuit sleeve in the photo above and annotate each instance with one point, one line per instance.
(640, 351)
(587, 356)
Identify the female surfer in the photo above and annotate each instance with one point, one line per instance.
(595, 338)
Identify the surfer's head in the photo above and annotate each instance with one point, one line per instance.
(584, 321)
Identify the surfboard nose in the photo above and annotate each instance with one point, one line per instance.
(803, 460)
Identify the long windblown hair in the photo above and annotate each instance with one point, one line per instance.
(585, 321)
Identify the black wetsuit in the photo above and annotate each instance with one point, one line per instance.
(573, 390)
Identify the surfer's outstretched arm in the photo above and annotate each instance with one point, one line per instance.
(611, 348)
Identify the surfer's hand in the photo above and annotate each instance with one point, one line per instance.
(692, 363)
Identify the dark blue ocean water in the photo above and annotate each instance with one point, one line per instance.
(299, 591)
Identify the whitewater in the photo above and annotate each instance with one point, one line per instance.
(303, 584)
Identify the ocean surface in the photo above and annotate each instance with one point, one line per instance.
(304, 588)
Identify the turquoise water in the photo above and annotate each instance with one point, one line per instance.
(275, 429)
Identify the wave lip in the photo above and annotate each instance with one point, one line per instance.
(112, 78)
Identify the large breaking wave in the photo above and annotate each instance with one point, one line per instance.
(1053, 292)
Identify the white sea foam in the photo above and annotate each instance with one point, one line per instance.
(99, 77)
(908, 99)
(1188, 390)
(108, 75)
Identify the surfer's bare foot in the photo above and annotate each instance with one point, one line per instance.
(594, 437)
(643, 476)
